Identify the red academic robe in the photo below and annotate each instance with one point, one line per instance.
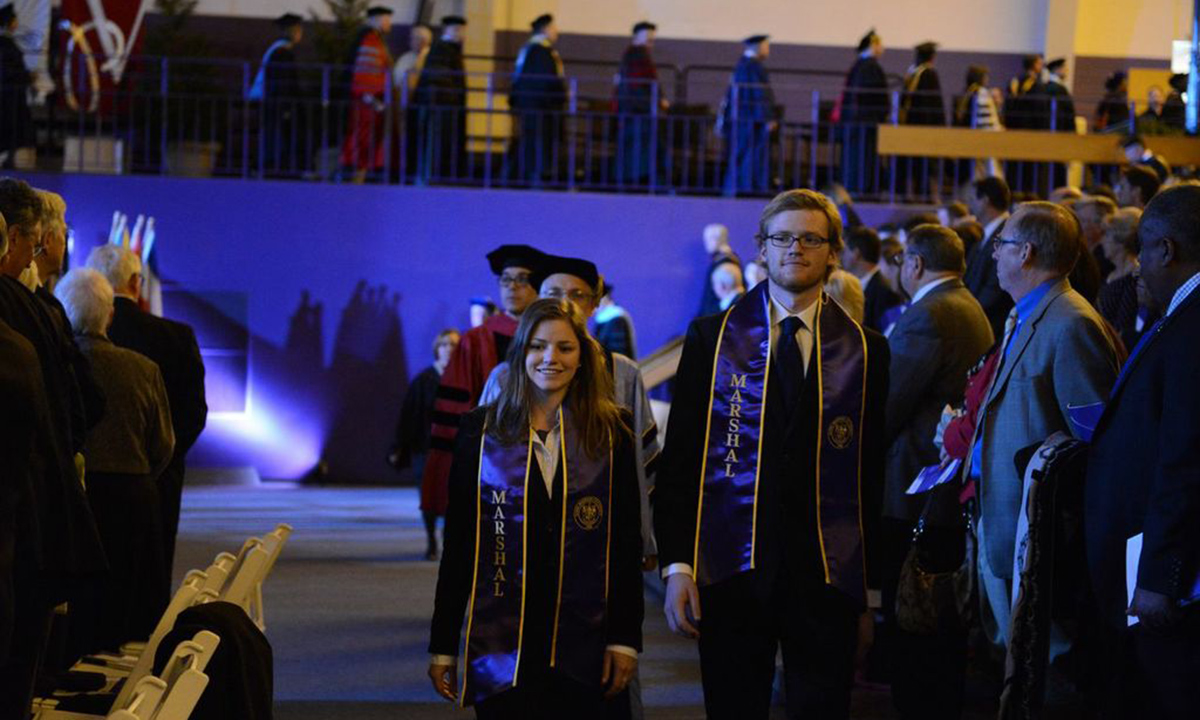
(363, 146)
(462, 384)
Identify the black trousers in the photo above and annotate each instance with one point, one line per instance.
(550, 695)
(32, 615)
(1146, 673)
(817, 628)
(928, 671)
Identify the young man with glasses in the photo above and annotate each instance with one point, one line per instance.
(480, 350)
(767, 504)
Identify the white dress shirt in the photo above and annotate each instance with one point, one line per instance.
(926, 289)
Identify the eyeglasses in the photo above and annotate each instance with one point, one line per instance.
(575, 296)
(998, 241)
(896, 259)
(515, 280)
(783, 241)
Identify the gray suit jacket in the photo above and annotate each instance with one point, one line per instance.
(1061, 356)
(933, 345)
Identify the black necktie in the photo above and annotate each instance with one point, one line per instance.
(790, 362)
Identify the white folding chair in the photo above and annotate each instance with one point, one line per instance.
(245, 576)
(273, 543)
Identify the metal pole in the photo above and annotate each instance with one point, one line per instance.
(1193, 94)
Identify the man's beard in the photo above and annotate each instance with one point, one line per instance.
(793, 284)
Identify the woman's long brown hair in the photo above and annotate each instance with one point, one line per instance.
(589, 396)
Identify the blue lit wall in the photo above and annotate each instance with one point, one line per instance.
(315, 303)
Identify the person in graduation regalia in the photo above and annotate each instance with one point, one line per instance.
(637, 94)
(1059, 108)
(767, 501)
(747, 121)
(538, 98)
(921, 104)
(864, 105)
(441, 104)
(283, 139)
(480, 350)
(543, 540)
(15, 79)
(1174, 112)
(363, 148)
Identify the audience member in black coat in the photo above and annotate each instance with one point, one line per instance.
(861, 258)
(172, 346)
(989, 200)
(921, 104)
(15, 123)
(441, 102)
(770, 567)
(565, 569)
(1144, 479)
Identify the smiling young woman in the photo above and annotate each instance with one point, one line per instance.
(543, 537)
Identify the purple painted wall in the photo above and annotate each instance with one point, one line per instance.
(383, 270)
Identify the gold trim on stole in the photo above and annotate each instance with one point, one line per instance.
(562, 535)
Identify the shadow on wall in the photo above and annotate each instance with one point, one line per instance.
(280, 409)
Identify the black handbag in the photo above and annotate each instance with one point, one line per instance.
(930, 601)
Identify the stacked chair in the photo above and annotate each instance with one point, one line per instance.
(136, 693)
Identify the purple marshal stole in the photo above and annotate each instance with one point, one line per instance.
(496, 618)
(727, 513)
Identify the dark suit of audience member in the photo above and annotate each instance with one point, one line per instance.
(126, 453)
(24, 429)
(16, 124)
(543, 518)
(538, 98)
(441, 102)
(989, 201)
(878, 299)
(709, 302)
(1085, 277)
(935, 342)
(865, 104)
(921, 104)
(172, 346)
(1144, 478)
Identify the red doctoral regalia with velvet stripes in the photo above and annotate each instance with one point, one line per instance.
(373, 62)
(462, 384)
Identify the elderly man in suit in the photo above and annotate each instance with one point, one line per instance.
(172, 346)
(1144, 477)
(1055, 354)
(934, 343)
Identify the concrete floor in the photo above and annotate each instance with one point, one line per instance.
(349, 601)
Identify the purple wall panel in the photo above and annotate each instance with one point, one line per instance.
(344, 288)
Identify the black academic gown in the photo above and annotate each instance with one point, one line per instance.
(285, 145)
(921, 104)
(538, 98)
(441, 102)
(16, 124)
(746, 113)
(785, 598)
(536, 681)
(865, 104)
(412, 429)
(172, 346)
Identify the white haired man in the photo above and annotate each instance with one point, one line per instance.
(716, 244)
(126, 452)
(172, 346)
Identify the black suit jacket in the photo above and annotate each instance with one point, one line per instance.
(935, 342)
(625, 605)
(1144, 470)
(787, 545)
(172, 345)
(984, 284)
(879, 297)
